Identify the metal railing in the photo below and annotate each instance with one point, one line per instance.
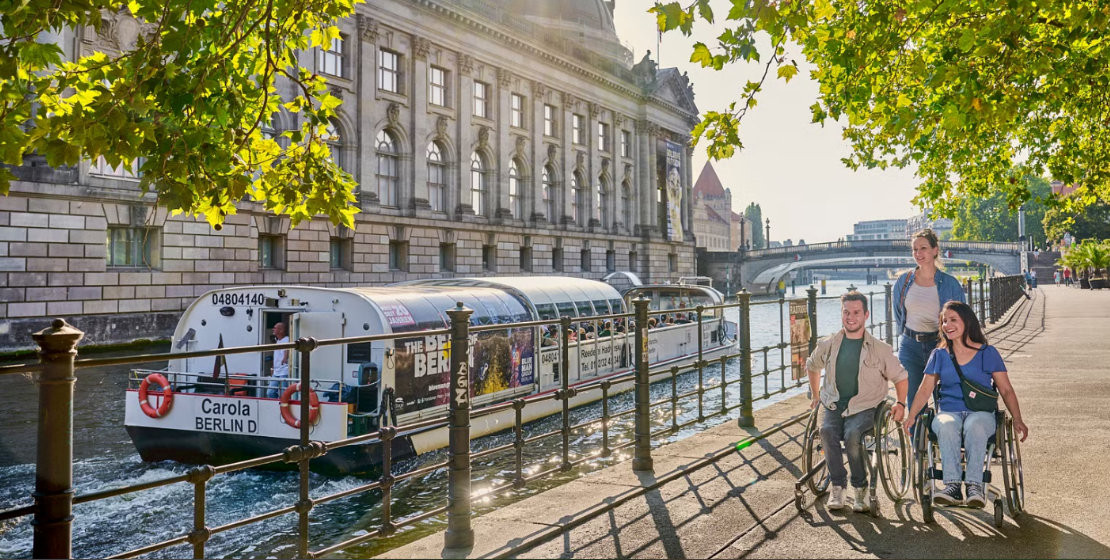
(705, 387)
(892, 244)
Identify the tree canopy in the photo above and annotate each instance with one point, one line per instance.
(189, 103)
(991, 218)
(754, 214)
(970, 93)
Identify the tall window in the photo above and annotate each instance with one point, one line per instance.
(447, 257)
(626, 144)
(633, 261)
(481, 100)
(549, 120)
(271, 251)
(557, 259)
(516, 113)
(389, 71)
(388, 169)
(578, 200)
(585, 260)
(339, 253)
(478, 186)
(603, 136)
(514, 189)
(437, 86)
(437, 178)
(576, 125)
(549, 193)
(335, 143)
(332, 59)
(489, 258)
(399, 255)
(526, 258)
(134, 247)
(610, 260)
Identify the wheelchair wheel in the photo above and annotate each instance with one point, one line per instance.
(813, 454)
(894, 457)
(1012, 475)
(924, 479)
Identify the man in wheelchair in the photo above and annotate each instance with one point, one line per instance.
(964, 370)
(858, 369)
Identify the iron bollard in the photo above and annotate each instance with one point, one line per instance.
(889, 316)
(747, 418)
(970, 293)
(642, 459)
(812, 293)
(982, 301)
(304, 505)
(53, 520)
(459, 532)
(564, 388)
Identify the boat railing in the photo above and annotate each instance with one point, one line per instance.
(235, 385)
(668, 396)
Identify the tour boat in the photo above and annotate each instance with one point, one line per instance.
(216, 410)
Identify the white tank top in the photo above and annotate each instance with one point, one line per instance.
(923, 309)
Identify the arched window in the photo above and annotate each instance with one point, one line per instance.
(388, 169)
(578, 210)
(602, 201)
(335, 144)
(549, 193)
(478, 186)
(626, 205)
(515, 205)
(437, 178)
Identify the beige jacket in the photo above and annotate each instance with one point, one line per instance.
(878, 367)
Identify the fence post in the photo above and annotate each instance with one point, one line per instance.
(812, 293)
(53, 521)
(970, 294)
(982, 301)
(564, 386)
(994, 299)
(305, 346)
(747, 418)
(459, 532)
(889, 316)
(642, 460)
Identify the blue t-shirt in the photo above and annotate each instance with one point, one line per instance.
(950, 396)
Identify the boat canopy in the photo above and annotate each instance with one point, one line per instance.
(408, 310)
(547, 297)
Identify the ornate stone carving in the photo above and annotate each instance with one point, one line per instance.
(466, 63)
(580, 160)
(618, 120)
(539, 90)
(504, 77)
(595, 110)
(368, 28)
(441, 127)
(552, 151)
(393, 113)
(335, 90)
(569, 100)
(521, 144)
(483, 136)
(420, 48)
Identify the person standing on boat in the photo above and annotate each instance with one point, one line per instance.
(858, 370)
(918, 296)
(281, 363)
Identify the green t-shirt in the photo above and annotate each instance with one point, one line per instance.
(847, 371)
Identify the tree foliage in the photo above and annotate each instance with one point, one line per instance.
(969, 93)
(991, 218)
(754, 215)
(190, 100)
(1091, 222)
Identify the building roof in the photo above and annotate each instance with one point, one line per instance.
(713, 215)
(708, 183)
(737, 217)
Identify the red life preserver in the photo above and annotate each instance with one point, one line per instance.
(287, 411)
(167, 395)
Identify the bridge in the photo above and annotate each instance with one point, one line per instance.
(760, 270)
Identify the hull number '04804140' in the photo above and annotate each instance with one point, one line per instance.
(238, 298)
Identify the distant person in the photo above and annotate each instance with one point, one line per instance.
(1033, 278)
(1056, 278)
(1028, 278)
(918, 296)
(1067, 276)
(858, 369)
(280, 375)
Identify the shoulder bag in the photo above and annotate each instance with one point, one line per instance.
(976, 397)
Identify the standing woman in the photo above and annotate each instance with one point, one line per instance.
(918, 296)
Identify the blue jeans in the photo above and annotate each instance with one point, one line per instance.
(277, 387)
(971, 429)
(836, 428)
(914, 355)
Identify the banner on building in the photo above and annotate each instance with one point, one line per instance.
(671, 179)
(799, 338)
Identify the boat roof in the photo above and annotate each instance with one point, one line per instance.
(537, 290)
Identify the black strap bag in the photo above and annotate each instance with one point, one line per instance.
(976, 397)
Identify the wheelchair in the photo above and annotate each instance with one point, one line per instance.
(1007, 454)
(888, 460)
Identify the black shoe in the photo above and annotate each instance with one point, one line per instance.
(975, 497)
(949, 496)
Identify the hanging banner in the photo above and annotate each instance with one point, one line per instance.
(672, 189)
(799, 338)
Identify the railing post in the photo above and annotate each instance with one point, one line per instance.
(994, 298)
(747, 418)
(518, 442)
(304, 504)
(564, 387)
(200, 476)
(889, 315)
(970, 294)
(642, 459)
(812, 293)
(982, 300)
(701, 370)
(53, 520)
(459, 532)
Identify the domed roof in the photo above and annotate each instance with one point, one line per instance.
(580, 15)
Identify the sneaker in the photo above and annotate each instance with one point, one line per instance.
(836, 498)
(975, 497)
(860, 504)
(949, 496)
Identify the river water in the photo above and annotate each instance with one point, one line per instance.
(105, 458)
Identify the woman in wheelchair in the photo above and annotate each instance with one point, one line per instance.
(961, 419)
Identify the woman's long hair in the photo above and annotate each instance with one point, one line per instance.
(973, 331)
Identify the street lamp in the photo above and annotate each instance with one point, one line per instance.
(768, 237)
(743, 219)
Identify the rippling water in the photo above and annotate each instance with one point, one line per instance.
(104, 458)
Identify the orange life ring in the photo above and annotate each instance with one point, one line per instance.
(287, 411)
(167, 395)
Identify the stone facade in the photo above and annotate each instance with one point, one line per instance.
(56, 226)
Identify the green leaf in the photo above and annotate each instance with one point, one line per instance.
(787, 71)
(701, 55)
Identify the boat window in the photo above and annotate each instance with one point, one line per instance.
(617, 305)
(358, 353)
(546, 311)
(584, 308)
(601, 306)
(566, 309)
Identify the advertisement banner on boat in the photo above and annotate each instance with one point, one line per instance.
(799, 338)
(499, 360)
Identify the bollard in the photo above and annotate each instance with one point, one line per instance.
(982, 301)
(642, 459)
(889, 316)
(970, 294)
(812, 293)
(564, 388)
(747, 419)
(459, 533)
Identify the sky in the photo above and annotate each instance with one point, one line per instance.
(789, 166)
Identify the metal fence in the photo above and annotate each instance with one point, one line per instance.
(54, 494)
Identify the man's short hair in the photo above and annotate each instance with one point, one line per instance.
(854, 296)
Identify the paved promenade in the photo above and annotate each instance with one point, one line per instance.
(1056, 348)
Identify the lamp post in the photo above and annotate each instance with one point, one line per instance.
(767, 238)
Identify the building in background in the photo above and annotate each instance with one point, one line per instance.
(878, 229)
(716, 226)
(486, 136)
(940, 226)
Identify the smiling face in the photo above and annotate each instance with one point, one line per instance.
(923, 252)
(952, 325)
(853, 317)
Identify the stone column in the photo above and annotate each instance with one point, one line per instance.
(593, 165)
(367, 85)
(414, 196)
(458, 190)
(503, 150)
(570, 105)
(533, 201)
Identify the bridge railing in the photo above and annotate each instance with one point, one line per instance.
(885, 244)
(700, 390)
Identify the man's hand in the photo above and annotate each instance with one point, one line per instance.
(898, 412)
(908, 426)
(816, 401)
(1020, 429)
